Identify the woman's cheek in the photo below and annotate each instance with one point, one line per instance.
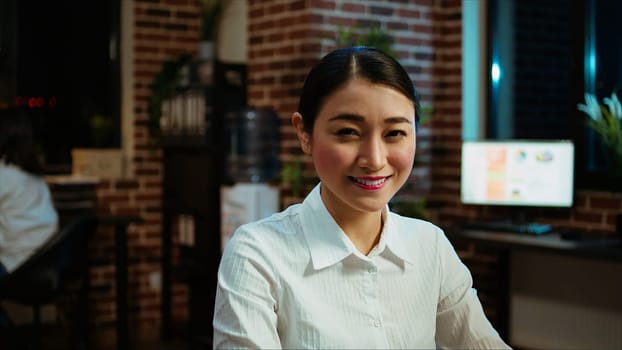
(402, 157)
(327, 156)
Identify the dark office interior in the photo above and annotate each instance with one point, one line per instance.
(90, 73)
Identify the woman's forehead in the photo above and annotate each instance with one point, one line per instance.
(361, 97)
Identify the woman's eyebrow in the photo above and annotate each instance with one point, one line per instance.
(358, 118)
(349, 117)
(397, 120)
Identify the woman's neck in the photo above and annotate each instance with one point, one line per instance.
(363, 229)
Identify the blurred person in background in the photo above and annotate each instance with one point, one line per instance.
(28, 217)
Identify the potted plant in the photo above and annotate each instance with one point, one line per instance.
(373, 36)
(292, 174)
(210, 13)
(164, 86)
(606, 120)
(101, 130)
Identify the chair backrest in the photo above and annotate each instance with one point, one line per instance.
(52, 260)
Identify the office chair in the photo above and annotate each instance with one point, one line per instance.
(59, 262)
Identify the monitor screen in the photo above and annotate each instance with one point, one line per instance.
(517, 172)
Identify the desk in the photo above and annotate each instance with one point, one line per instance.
(120, 224)
(76, 195)
(608, 249)
(597, 249)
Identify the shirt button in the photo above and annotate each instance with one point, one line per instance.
(376, 323)
(371, 269)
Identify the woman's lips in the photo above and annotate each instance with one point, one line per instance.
(370, 182)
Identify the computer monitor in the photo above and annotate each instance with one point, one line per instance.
(527, 173)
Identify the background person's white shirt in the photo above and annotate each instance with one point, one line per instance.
(295, 280)
(27, 215)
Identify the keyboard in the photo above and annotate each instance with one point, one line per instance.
(531, 228)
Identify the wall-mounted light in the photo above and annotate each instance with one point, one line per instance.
(495, 73)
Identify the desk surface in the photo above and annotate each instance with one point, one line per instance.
(593, 248)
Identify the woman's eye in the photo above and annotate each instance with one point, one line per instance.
(396, 133)
(346, 132)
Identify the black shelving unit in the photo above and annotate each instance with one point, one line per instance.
(193, 172)
(191, 187)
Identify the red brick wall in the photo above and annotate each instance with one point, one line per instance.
(285, 38)
(162, 30)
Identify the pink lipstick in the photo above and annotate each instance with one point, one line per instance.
(370, 183)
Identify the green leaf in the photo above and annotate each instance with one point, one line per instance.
(373, 36)
(163, 87)
(292, 173)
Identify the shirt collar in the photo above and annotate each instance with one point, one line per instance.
(328, 244)
(392, 237)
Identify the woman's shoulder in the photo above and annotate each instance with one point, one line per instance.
(414, 225)
(420, 237)
(417, 232)
(12, 171)
(275, 242)
(283, 221)
(277, 228)
(13, 177)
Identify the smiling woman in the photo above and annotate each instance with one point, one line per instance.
(363, 149)
(340, 270)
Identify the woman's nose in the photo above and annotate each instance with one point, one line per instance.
(372, 154)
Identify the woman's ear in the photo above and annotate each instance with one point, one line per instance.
(303, 136)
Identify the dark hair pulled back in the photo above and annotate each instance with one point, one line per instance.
(341, 65)
(17, 144)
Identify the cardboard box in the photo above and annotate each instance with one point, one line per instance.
(98, 162)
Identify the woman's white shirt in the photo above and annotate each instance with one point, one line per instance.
(27, 215)
(295, 280)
